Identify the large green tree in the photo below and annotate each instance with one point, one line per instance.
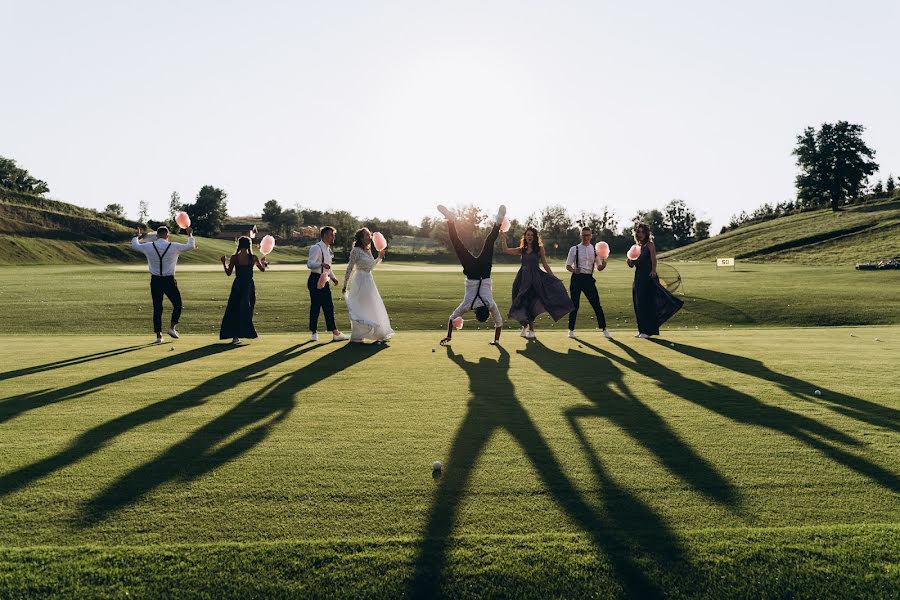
(835, 164)
(680, 220)
(15, 178)
(209, 211)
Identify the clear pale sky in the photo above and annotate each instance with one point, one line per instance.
(387, 108)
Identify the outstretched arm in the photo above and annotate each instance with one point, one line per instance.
(505, 248)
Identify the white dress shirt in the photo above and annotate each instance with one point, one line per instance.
(168, 250)
(319, 256)
(585, 256)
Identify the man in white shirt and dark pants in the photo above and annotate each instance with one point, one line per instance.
(581, 262)
(319, 262)
(162, 258)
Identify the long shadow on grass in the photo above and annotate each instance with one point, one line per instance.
(743, 408)
(98, 437)
(718, 311)
(16, 405)
(849, 406)
(494, 407)
(69, 362)
(252, 420)
(596, 378)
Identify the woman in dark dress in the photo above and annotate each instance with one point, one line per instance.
(238, 320)
(653, 304)
(534, 291)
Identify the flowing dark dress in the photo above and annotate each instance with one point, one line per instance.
(536, 292)
(238, 319)
(653, 304)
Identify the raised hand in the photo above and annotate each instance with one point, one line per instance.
(189, 231)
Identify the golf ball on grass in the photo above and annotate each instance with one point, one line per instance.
(818, 392)
(436, 466)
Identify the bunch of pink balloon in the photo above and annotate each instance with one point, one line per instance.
(505, 225)
(458, 323)
(267, 245)
(634, 252)
(323, 280)
(379, 241)
(602, 249)
(182, 219)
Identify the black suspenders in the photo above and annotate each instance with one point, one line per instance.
(578, 257)
(161, 256)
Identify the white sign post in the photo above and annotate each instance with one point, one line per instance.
(724, 262)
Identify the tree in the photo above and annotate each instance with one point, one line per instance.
(17, 179)
(287, 221)
(891, 187)
(656, 220)
(143, 211)
(878, 189)
(835, 164)
(115, 210)
(554, 224)
(603, 224)
(426, 225)
(701, 230)
(469, 219)
(208, 212)
(271, 213)
(346, 225)
(680, 221)
(175, 205)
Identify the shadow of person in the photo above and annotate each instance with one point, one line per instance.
(849, 406)
(16, 405)
(252, 419)
(69, 362)
(98, 437)
(598, 380)
(494, 406)
(716, 310)
(743, 408)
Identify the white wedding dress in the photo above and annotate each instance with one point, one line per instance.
(368, 316)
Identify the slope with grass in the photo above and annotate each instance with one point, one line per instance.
(857, 234)
(35, 230)
(702, 466)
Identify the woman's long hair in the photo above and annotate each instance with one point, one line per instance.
(536, 241)
(244, 243)
(647, 235)
(358, 237)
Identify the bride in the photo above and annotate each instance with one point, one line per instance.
(368, 317)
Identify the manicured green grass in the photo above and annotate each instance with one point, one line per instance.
(571, 468)
(858, 234)
(68, 299)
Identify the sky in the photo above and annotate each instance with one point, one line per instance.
(387, 108)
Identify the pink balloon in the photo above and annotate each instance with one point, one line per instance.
(379, 241)
(267, 244)
(634, 252)
(602, 249)
(183, 220)
(323, 280)
(505, 225)
(458, 323)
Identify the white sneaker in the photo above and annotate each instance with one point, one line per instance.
(572, 334)
(606, 334)
(501, 212)
(341, 337)
(159, 340)
(643, 336)
(446, 212)
(172, 333)
(314, 337)
(638, 334)
(530, 335)
(522, 332)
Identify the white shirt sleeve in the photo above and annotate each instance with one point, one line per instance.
(184, 247)
(314, 262)
(140, 246)
(570, 259)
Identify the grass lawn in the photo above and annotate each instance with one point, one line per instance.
(571, 468)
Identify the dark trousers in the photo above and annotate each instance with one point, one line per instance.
(167, 286)
(584, 283)
(320, 300)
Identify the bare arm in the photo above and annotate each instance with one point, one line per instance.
(544, 262)
(228, 265)
(262, 265)
(506, 249)
(652, 259)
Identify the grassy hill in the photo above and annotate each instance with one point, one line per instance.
(35, 230)
(857, 234)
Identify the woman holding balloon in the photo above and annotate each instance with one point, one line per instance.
(653, 304)
(581, 262)
(368, 316)
(237, 322)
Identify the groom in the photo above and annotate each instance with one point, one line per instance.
(477, 269)
(319, 262)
